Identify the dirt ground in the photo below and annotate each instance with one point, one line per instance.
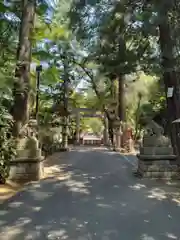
(10, 188)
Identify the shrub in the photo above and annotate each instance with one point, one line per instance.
(7, 144)
(48, 142)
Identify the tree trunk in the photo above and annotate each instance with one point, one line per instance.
(137, 116)
(110, 130)
(65, 99)
(106, 132)
(121, 107)
(22, 74)
(121, 100)
(170, 76)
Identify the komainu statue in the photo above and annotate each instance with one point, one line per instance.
(27, 143)
(154, 136)
(28, 164)
(156, 158)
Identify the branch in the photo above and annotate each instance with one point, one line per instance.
(91, 77)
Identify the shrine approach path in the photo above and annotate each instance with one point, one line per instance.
(91, 194)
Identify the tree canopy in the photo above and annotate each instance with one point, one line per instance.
(95, 54)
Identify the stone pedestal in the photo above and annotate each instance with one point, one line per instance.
(161, 166)
(28, 164)
(156, 159)
(25, 169)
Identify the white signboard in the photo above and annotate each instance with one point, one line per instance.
(170, 92)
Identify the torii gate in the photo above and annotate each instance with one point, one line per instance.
(89, 113)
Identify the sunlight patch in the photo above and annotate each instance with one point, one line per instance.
(60, 234)
(171, 236)
(22, 221)
(176, 201)
(104, 205)
(15, 204)
(146, 221)
(10, 233)
(124, 204)
(137, 186)
(78, 187)
(146, 237)
(3, 212)
(84, 150)
(99, 198)
(157, 193)
(36, 209)
(41, 195)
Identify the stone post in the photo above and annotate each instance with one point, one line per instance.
(118, 139)
(131, 145)
(114, 140)
(105, 134)
(78, 128)
(117, 134)
(128, 142)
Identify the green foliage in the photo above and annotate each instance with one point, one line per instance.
(50, 140)
(94, 125)
(7, 144)
(100, 41)
(121, 38)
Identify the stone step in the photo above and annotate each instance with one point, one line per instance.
(156, 157)
(159, 174)
(156, 168)
(162, 175)
(156, 150)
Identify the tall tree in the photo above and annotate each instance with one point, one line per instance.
(169, 69)
(22, 81)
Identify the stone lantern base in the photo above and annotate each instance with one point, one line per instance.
(25, 170)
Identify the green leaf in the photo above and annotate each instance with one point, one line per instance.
(42, 8)
(3, 8)
(42, 55)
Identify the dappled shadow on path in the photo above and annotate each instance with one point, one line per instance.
(92, 195)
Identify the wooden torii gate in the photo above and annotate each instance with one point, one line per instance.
(86, 112)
